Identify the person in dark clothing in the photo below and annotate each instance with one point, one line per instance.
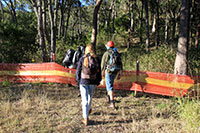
(88, 76)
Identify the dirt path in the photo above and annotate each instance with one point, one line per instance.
(57, 108)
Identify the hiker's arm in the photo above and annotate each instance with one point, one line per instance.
(99, 77)
(120, 72)
(104, 61)
(78, 71)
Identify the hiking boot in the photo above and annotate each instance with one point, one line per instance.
(112, 105)
(90, 111)
(108, 99)
(85, 122)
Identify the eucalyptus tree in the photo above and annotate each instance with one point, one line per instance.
(17, 32)
(197, 22)
(11, 4)
(94, 24)
(53, 15)
(37, 6)
(147, 24)
(180, 66)
(2, 11)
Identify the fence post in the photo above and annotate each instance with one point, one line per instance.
(137, 73)
(52, 57)
(137, 67)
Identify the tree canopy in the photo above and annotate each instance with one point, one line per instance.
(33, 30)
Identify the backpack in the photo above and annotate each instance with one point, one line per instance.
(90, 71)
(78, 54)
(114, 64)
(67, 61)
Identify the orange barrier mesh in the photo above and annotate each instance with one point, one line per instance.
(149, 82)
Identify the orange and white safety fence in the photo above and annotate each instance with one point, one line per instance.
(148, 82)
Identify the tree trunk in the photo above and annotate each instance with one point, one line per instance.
(38, 11)
(157, 23)
(129, 27)
(147, 25)
(67, 22)
(167, 26)
(174, 25)
(141, 22)
(197, 45)
(132, 16)
(13, 12)
(154, 24)
(44, 20)
(80, 23)
(14, 15)
(113, 16)
(61, 20)
(94, 28)
(181, 56)
(53, 19)
(197, 5)
(2, 12)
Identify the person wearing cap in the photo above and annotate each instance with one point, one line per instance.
(109, 77)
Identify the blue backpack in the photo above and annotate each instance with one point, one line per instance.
(114, 64)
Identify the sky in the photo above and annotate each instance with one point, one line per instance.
(83, 2)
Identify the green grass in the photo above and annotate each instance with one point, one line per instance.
(189, 111)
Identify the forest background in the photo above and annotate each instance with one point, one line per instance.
(145, 30)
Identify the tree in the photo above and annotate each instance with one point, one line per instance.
(181, 56)
(147, 24)
(37, 6)
(53, 15)
(197, 6)
(13, 12)
(2, 11)
(94, 26)
(66, 24)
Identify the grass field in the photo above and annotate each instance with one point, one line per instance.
(57, 108)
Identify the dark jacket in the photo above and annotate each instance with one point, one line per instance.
(79, 80)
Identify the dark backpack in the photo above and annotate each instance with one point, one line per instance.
(67, 61)
(78, 54)
(90, 71)
(114, 64)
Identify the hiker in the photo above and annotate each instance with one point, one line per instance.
(88, 76)
(111, 66)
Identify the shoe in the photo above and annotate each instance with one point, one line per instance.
(112, 105)
(90, 111)
(85, 122)
(108, 99)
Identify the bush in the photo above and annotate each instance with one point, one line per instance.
(157, 60)
(189, 111)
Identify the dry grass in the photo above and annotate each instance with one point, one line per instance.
(57, 108)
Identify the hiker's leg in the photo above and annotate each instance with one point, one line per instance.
(109, 86)
(84, 98)
(90, 94)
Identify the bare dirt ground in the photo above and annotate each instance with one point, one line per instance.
(57, 108)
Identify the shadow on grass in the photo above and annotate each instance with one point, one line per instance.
(92, 122)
